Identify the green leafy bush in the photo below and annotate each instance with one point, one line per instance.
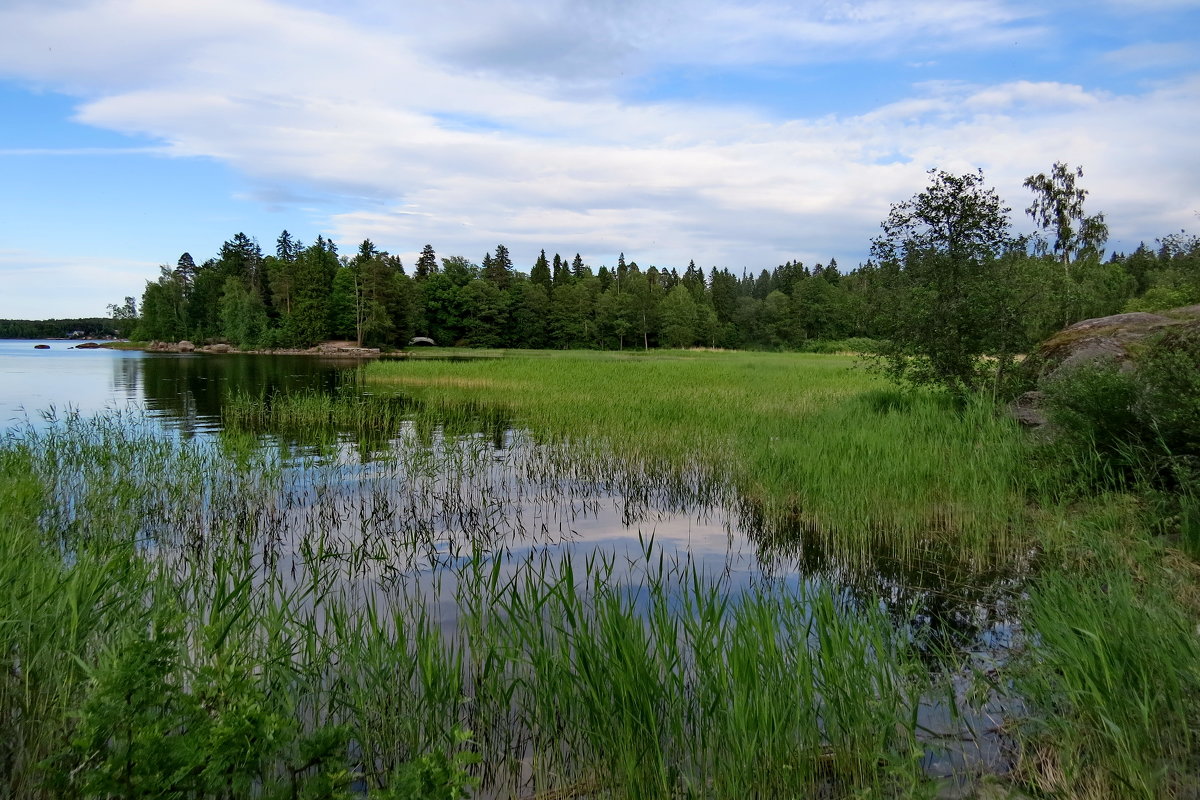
(1098, 429)
(1121, 427)
(855, 344)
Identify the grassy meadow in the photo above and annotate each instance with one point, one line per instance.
(816, 444)
(383, 595)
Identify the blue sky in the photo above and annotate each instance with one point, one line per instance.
(738, 134)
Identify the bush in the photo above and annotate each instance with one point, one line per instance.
(855, 344)
(1121, 426)
(1170, 396)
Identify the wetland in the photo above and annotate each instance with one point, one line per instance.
(566, 574)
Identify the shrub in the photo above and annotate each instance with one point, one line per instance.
(1138, 425)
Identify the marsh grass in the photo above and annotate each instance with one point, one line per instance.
(192, 618)
(1114, 670)
(314, 410)
(813, 443)
(382, 611)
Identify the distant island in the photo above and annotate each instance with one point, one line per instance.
(83, 328)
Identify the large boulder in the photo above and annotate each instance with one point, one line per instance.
(1113, 339)
(185, 346)
(1101, 339)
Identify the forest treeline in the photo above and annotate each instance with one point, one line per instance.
(300, 295)
(946, 268)
(84, 328)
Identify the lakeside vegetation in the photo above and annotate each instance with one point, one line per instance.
(386, 622)
(823, 451)
(388, 588)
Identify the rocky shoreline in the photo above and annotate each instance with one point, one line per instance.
(335, 349)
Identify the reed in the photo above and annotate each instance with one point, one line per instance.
(818, 446)
(236, 623)
(1114, 678)
(408, 606)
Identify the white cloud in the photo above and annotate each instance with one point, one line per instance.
(1153, 55)
(509, 127)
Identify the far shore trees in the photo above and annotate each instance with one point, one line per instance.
(948, 285)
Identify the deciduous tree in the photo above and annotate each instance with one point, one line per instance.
(1058, 207)
(951, 299)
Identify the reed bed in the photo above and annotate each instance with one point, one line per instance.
(313, 410)
(1115, 668)
(194, 618)
(675, 575)
(819, 447)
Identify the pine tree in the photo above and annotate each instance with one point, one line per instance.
(185, 270)
(540, 274)
(426, 263)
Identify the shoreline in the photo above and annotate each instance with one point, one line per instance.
(335, 349)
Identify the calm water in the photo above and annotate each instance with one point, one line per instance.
(483, 491)
(184, 391)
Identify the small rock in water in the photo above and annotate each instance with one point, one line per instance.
(41, 347)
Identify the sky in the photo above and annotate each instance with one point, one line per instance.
(738, 134)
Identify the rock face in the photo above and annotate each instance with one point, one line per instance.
(331, 349)
(1028, 410)
(1103, 339)
(343, 349)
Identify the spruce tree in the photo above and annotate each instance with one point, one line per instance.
(540, 274)
(499, 269)
(426, 263)
(286, 249)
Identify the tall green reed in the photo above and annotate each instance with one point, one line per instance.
(347, 640)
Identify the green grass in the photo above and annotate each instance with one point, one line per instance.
(817, 447)
(1114, 673)
(212, 617)
(312, 410)
(186, 620)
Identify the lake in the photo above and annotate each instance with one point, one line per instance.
(438, 521)
(183, 391)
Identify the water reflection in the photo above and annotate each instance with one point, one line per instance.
(189, 389)
(185, 391)
(410, 515)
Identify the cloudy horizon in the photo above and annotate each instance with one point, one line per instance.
(737, 134)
